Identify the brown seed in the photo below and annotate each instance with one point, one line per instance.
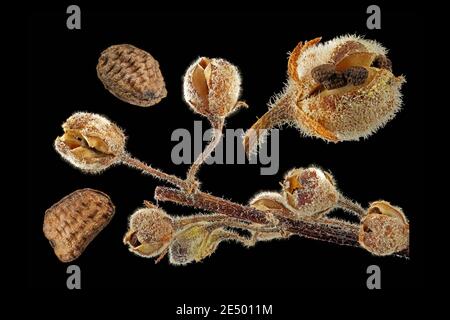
(356, 75)
(336, 80)
(73, 222)
(382, 62)
(323, 72)
(132, 75)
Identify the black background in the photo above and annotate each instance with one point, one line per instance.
(62, 80)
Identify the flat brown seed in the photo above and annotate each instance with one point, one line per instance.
(132, 75)
(323, 72)
(356, 75)
(74, 221)
(336, 80)
(382, 62)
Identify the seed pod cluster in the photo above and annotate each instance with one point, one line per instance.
(90, 142)
(74, 221)
(132, 75)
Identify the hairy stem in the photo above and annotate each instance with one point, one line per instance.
(350, 206)
(323, 229)
(279, 113)
(145, 168)
(217, 126)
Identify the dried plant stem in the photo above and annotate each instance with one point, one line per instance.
(208, 202)
(323, 229)
(351, 206)
(145, 168)
(217, 126)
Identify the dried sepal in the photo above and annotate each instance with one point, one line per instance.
(273, 203)
(212, 87)
(197, 242)
(90, 142)
(150, 232)
(384, 230)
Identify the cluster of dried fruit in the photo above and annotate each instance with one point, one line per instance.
(341, 90)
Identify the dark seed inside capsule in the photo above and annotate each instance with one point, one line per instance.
(356, 75)
(382, 62)
(327, 76)
(323, 72)
(336, 80)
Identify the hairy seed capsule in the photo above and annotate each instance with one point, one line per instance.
(150, 232)
(384, 230)
(310, 191)
(90, 142)
(132, 75)
(340, 106)
(212, 87)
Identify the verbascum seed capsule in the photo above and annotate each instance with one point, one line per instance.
(384, 230)
(212, 87)
(150, 232)
(90, 142)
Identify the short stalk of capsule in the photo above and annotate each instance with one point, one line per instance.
(279, 114)
(191, 184)
(351, 206)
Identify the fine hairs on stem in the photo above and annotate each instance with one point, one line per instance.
(217, 125)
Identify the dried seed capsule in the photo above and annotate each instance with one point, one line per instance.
(340, 112)
(382, 62)
(384, 230)
(310, 192)
(356, 75)
(132, 75)
(73, 222)
(212, 87)
(90, 142)
(150, 232)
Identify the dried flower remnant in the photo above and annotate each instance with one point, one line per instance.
(384, 230)
(197, 242)
(90, 142)
(341, 90)
(132, 75)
